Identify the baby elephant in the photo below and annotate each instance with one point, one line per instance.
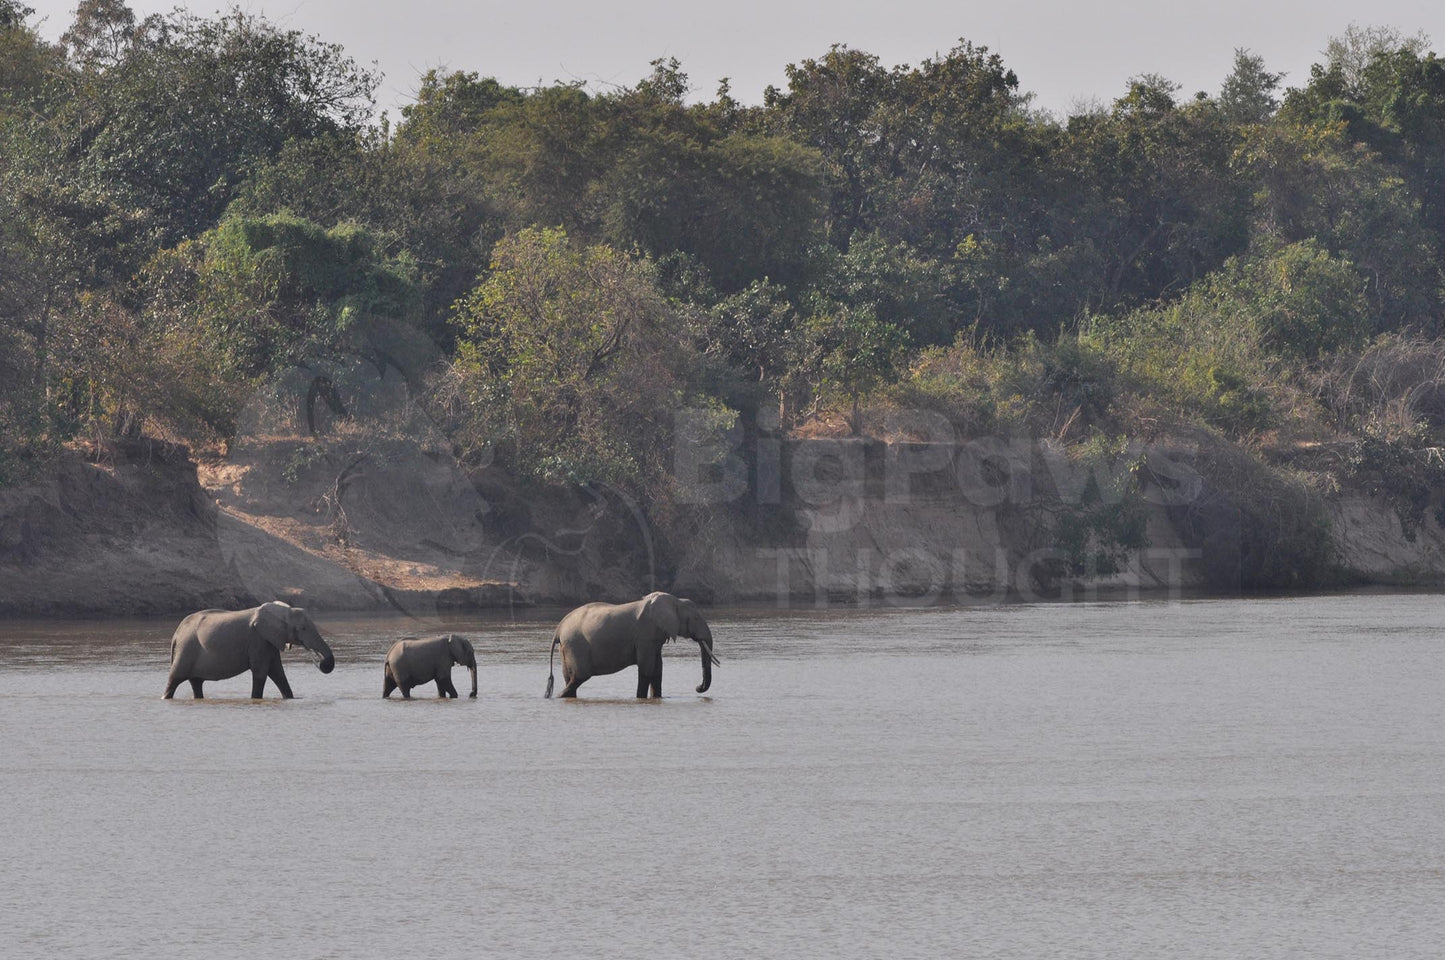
(411, 662)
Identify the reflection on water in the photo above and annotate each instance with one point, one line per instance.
(1200, 779)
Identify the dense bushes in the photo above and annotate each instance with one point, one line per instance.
(576, 345)
(194, 212)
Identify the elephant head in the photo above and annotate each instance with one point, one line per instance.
(283, 625)
(677, 617)
(463, 653)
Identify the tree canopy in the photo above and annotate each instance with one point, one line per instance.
(209, 202)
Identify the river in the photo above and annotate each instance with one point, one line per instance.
(1214, 778)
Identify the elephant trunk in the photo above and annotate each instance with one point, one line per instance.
(705, 646)
(326, 661)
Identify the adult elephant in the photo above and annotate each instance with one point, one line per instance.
(602, 638)
(411, 662)
(220, 644)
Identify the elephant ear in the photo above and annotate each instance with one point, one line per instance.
(690, 616)
(461, 648)
(661, 609)
(273, 622)
(296, 622)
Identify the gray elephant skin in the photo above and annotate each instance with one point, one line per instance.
(411, 662)
(603, 638)
(220, 644)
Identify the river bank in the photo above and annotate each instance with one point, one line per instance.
(140, 527)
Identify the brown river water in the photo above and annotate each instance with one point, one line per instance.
(1219, 778)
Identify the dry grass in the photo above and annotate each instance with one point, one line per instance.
(1387, 390)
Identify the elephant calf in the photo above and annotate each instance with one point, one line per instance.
(411, 662)
(220, 644)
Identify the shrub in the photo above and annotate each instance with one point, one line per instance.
(570, 362)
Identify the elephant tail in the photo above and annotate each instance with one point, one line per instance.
(556, 639)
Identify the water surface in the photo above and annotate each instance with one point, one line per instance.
(1223, 779)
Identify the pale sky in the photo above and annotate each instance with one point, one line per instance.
(1062, 51)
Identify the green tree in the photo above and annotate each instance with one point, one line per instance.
(272, 302)
(432, 202)
(453, 106)
(1248, 93)
(541, 154)
(635, 167)
(1311, 183)
(1310, 303)
(853, 353)
(570, 362)
(1349, 55)
(921, 153)
(170, 129)
(755, 331)
(25, 60)
(1156, 202)
(101, 34)
(13, 14)
(1387, 91)
(894, 283)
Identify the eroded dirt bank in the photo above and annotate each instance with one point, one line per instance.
(138, 527)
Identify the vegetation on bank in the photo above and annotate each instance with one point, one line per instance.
(195, 212)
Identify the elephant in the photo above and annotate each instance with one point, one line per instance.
(411, 662)
(219, 644)
(602, 638)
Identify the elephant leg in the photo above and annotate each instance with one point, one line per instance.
(171, 683)
(389, 684)
(258, 683)
(649, 674)
(571, 676)
(406, 693)
(196, 689)
(445, 688)
(277, 674)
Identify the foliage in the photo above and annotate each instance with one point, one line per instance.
(1309, 302)
(273, 292)
(1248, 93)
(13, 14)
(1406, 470)
(26, 62)
(194, 211)
(574, 344)
(166, 118)
(852, 352)
(756, 332)
(1314, 185)
(1032, 387)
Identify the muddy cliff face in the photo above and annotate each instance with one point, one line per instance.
(863, 521)
(137, 529)
(1377, 546)
(128, 531)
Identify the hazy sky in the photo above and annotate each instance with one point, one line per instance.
(1062, 51)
